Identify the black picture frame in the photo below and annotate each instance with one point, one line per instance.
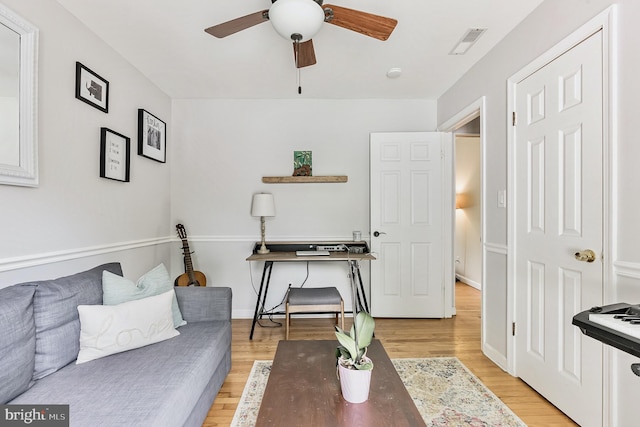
(152, 136)
(115, 155)
(91, 88)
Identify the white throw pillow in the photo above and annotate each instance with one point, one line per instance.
(110, 329)
(116, 289)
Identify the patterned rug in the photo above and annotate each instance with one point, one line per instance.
(445, 392)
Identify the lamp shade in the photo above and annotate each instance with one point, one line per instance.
(263, 205)
(304, 17)
(461, 201)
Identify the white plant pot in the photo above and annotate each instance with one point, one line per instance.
(354, 384)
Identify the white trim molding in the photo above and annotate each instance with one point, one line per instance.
(627, 269)
(470, 112)
(256, 238)
(15, 263)
(496, 248)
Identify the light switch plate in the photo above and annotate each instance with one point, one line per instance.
(502, 198)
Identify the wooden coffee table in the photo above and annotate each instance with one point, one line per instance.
(303, 390)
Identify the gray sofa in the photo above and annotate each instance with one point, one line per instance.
(170, 383)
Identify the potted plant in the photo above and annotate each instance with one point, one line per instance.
(354, 367)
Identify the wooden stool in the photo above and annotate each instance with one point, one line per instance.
(313, 300)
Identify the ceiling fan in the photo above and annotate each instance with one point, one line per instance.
(300, 20)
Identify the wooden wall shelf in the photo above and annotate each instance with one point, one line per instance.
(303, 179)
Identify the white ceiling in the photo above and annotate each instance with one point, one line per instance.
(165, 40)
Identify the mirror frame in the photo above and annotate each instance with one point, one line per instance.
(26, 173)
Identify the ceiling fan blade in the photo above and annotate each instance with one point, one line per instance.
(378, 27)
(231, 27)
(306, 55)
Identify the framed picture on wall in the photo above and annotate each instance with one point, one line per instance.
(91, 88)
(114, 155)
(152, 136)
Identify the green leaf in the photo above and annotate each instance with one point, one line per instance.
(366, 326)
(339, 329)
(348, 343)
(342, 352)
(366, 366)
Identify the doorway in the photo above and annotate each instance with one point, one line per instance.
(471, 122)
(467, 236)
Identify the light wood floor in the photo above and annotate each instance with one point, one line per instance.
(458, 336)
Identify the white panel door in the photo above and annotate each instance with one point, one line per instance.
(559, 211)
(407, 224)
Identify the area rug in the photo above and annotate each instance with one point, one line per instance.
(445, 392)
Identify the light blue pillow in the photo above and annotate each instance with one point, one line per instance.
(116, 289)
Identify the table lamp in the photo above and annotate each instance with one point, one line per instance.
(262, 205)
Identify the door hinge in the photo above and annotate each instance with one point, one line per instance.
(513, 329)
(514, 119)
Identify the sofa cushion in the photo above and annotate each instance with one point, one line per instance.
(156, 385)
(204, 303)
(110, 329)
(117, 290)
(17, 340)
(56, 316)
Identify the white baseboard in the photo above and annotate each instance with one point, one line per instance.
(469, 282)
(242, 314)
(495, 357)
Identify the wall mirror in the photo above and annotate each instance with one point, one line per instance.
(18, 100)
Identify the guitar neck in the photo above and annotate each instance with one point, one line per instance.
(188, 263)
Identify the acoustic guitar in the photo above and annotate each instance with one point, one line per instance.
(190, 277)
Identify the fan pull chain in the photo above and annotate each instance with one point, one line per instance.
(296, 39)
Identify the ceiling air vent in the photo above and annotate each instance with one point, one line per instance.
(468, 39)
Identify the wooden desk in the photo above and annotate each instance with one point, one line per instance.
(286, 252)
(303, 390)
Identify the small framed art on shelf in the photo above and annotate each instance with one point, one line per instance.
(91, 88)
(302, 163)
(152, 136)
(114, 155)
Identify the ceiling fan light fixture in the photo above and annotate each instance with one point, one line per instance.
(303, 17)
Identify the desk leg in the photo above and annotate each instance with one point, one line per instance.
(364, 295)
(258, 313)
(355, 272)
(358, 302)
(355, 269)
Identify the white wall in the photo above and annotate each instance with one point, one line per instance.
(223, 148)
(544, 28)
(76, 219)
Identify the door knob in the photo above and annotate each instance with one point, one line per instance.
(586, 255)
(377, 233)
